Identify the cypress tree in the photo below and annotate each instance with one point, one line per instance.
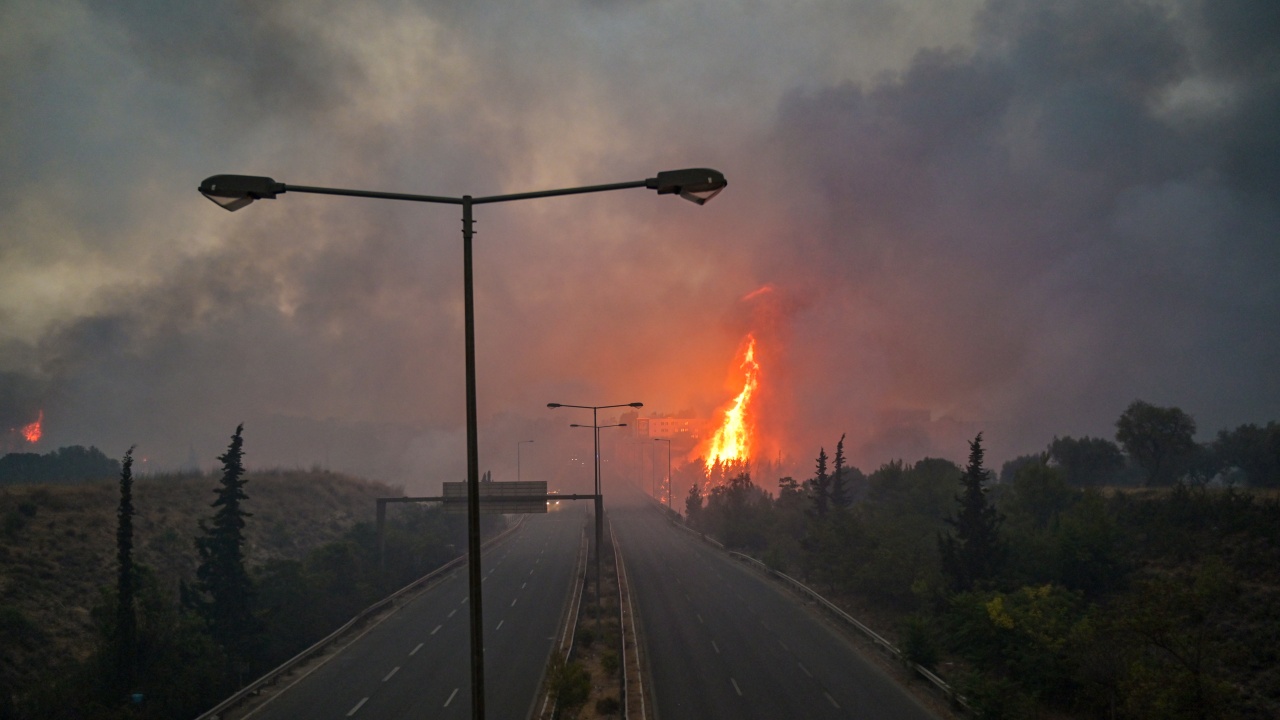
(225, 591)
(974, 553)
(126, 630)
(839, 484)
(820, 486)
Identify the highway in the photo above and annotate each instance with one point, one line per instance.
(723, 642)
(416, 664)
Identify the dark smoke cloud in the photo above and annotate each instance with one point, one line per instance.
(1014, 218)
(1030, 234)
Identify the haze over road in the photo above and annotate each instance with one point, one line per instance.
(723, 642)
(415, 664)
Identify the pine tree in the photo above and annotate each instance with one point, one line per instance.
(839, 484)
(820, 486)
(693, 505)
(126, 629)
(224, 596)
(974, 553)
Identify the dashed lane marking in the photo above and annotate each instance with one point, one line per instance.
(415, 650)
(433, 632)
(832, 700)
(356, 709)
(394, 670)
(735, 687)
(805, 669)
(451, 695)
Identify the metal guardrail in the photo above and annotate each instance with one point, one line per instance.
(269, 678)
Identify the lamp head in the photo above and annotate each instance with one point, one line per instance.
(233, 192)
(637, 405)
(553, 405)
(696, 185)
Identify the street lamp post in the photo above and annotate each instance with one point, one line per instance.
(668, 442)
(233, 192)
(599, 506)
(522, 442)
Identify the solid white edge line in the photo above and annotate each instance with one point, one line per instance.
(356, 709)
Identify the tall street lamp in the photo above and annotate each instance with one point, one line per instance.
(668, 442)
(599, 504)
(599, 498)
(522, 442)
(236, 191)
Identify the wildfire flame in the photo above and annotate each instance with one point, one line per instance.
(33, 431)
(733, 440)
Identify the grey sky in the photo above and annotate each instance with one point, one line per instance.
(1013, 216)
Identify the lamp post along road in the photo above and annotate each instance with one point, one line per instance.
(668, 442)
(233, 192)
(522, 442)
(595, 425)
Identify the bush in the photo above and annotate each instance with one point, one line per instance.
(608, 706)
(609, 661)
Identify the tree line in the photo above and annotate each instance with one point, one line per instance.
(161, 656)
(72, 464)
(1039, 592)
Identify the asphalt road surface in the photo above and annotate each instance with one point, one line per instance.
(416, 663)
(723, 642)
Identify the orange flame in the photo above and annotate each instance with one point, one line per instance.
(733, 440)
(33, 432)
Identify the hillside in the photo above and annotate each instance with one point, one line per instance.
(59, 544)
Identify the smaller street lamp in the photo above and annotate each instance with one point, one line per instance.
(518, 457)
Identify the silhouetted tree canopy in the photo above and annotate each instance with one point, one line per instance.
(1160, 440)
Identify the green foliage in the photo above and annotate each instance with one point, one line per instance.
(73, 464)
(840, 491)
(820, 486)
(224, 591)
(126, 629)
(1160, 440)
(736, 513)
(609, 662)
(1253, 451)
(569, 683)
(918, 644)
(693, 505)
(974, 553)
(1087, 462)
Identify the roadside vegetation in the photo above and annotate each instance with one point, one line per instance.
(158, 597)
(1136, 579)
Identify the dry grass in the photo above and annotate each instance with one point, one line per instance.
(59, 543)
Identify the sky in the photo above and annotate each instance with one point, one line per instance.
(1012, 217)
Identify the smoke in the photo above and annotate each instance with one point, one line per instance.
(1007, 216)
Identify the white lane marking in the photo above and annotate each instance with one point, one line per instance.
(446, 702)
(735, 687)
(359, 705)
(537, 560)
(463, 600)
(394, 670)
(784, 646)
(433, 632)
(499, 624)
(715, 646)
(530, 571)
(805, 669)
(832, 700)
(415, 650)
(704, 622)
(522, 585)
(453, 612)
(513, 601)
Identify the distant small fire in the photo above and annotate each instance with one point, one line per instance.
(33, 431)
(733, 441)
